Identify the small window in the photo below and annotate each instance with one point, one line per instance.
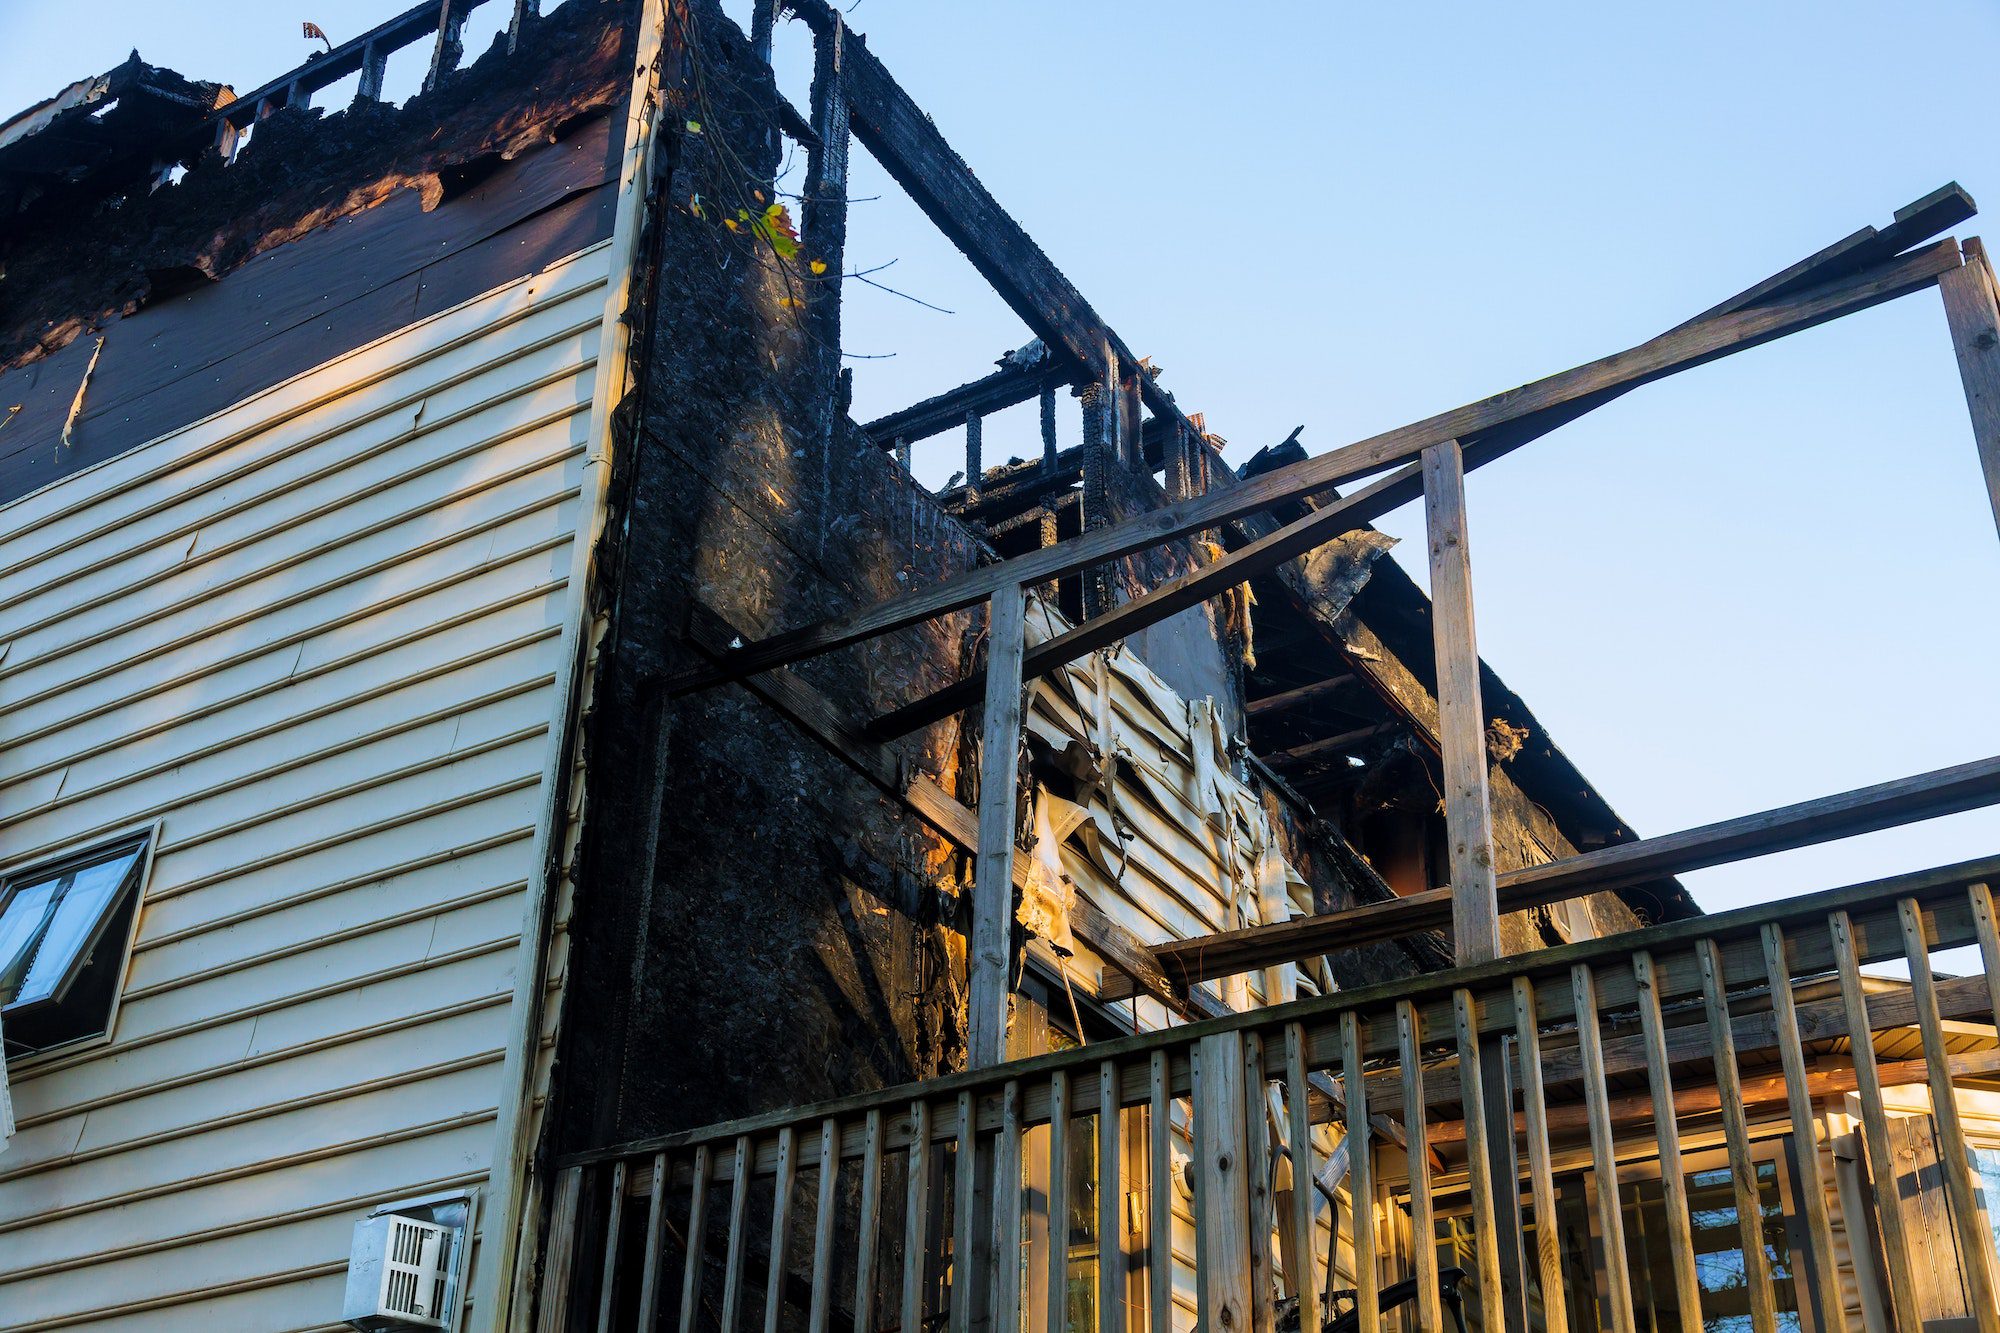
(65, 927)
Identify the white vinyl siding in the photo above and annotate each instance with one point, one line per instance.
(316, 638)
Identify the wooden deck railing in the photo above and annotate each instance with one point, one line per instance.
(905, 1208)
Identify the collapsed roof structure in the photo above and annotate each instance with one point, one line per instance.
(547, 766)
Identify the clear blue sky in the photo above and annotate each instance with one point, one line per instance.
(1769, 579)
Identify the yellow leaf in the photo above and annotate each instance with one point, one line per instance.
(818, 267)
(694, 127)
(729, 223)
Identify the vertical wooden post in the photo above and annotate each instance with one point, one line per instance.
(1736, 1136)
(614, 1231)
(374, 64)
(518, 23)
(993, 878)
(975, 461)
(824, 193)
(763, 23)
(1955, 1159)
(1805, 1129)
(777, 1260)
(1468, 814)
(1666, 1132)
(1048, 408)
(1971, 311)
(1110, 1200)
(1223, 1200)
(449, 48)
(1468, 818)
(1099, 438)
(1361, 1174)
(1423, 1228)
(1603, 1157)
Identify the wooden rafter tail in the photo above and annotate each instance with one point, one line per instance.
(1489, 426)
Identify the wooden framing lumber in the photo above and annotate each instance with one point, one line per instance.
(992, 884)
(1906, 800)
(1328, 746)
(816, 715)
(1974, 317)
(1689, 346)
(1304, 696)
(1468, 809)
(1015, 382)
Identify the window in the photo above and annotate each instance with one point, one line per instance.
(65, 927)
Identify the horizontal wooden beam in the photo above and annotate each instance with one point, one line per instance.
(1759, 1091)
(1926, 796)
(1328, 747)
(1304, 696)
(1013, 383)
(1572, 389)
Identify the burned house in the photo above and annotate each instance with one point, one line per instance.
(518, 810)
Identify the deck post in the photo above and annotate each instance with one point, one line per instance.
(1970, 309)
(1468, 817)
(993, 873)
(1223, 1193)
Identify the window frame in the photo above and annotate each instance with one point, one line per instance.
(77, 854)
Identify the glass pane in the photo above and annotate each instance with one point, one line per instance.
(20, 925)
(75, 924)
(1987, 1160)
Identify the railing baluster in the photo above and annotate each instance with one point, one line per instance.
(871, 1224)
(1805, 1130)
(697, 1235)
(1736, 1134)
(965, 1188)
(1007, 1211)
(739, 1227)
(1986, 925)
(1874, 1125)
(1361, 1174)
(1257, 1179)
(1548, 1244)
(1110, 1202)
(1302, 1264)
(1479, 1169)
(656, 1225)
(1603, 1158)
(1160, 1196)
(824, 1259)
(558, 1268)
(1956, 1159)
(1058, 1255)
(1423, 1225)
(916, 1216)
(975, 461)
(1666, 1132)
(613, 1227)
(781, 1226)
(1048, 408)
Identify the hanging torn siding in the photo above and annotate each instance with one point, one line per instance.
(315, 637)
(1155, 829)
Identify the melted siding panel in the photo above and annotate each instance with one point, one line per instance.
(315, 637)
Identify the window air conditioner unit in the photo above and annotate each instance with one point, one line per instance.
(402, 1273)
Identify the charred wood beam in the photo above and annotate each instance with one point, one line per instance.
(1496, 425)
(813, 713)
(351, 56)
(1940, 792)
(1305, 696)
(1329, 747)
(1011, 384)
